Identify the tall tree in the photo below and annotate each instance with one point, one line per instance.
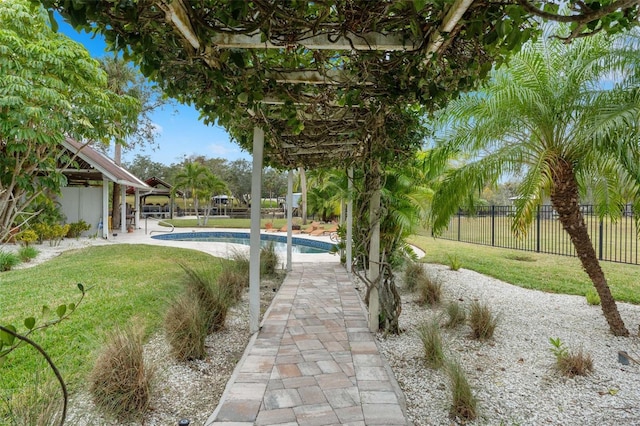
(124, 79)
(50, 88)
(539, 117)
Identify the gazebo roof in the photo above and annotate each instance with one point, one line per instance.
(92, 165)
(159, 187)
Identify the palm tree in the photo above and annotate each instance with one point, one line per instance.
(539, 118)
(210, 186)
(190, 178)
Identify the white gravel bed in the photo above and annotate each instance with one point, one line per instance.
(512, 374)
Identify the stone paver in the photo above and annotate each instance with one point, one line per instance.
(313, 362)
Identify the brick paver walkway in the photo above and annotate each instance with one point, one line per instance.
(314, 362)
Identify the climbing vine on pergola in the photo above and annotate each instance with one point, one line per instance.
(331, 82)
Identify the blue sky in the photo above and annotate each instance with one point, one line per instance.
(180, 132)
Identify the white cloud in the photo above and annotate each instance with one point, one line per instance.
(221, 150)
(157, 129)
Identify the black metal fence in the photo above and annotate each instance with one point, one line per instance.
(491, 225)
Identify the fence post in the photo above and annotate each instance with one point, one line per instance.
(600, 238)
(459, 214)
(493, 225)
(538, 229)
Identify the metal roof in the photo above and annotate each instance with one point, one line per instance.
(91, 164)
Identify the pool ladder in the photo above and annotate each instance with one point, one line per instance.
(146, 219)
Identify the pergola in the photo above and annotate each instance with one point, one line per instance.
(329, 83)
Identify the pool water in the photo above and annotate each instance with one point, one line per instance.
(299, 245)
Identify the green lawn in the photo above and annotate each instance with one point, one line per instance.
(550, 273)
(125, 281)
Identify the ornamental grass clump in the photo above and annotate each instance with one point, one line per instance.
(27, 253)
(413, 273)
(464, 405)
(269, 260)
(186, 328)
(8, 260)
(569, 363)
(482, 321)
(35, 405)
(120, 382)
(214, 299)
(429, 334)
(456, 314)
(235, 281)
(429, 290)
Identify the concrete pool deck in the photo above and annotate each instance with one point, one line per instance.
(139, 236)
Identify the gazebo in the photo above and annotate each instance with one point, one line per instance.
(158, 188)
(86, 195)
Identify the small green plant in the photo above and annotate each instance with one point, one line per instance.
(120, 382)
(27, 237)
(456, 314)
(454, 263)
(413, 273)
(8, 260)
(429, 291)
(186, 328)
(268, 260)
(570, 363)
(77, 228)
(482, 321)
(464, 405)
(429, 334)
(593, 298)
(27, 253)
(214, 299)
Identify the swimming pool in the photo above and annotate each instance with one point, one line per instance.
(299, 245)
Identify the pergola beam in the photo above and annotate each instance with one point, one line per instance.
(326, 41)
(451, 19)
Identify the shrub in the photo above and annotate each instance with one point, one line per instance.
(429, 290)
(42, 230)
(214, 299)
(27, 237)
(186, 328)
(268, 260)
(482, 321)
(120, 383)
(454, 263)
(27, 253)
(57, 233)
(592, 296)
(464, 405)
(77, 228)
(456, 314)
(570, 363)
(413, 273)
(8, 260)
(429, 334)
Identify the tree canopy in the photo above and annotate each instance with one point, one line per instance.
(50, 88)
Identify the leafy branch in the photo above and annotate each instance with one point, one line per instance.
(11, 340)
